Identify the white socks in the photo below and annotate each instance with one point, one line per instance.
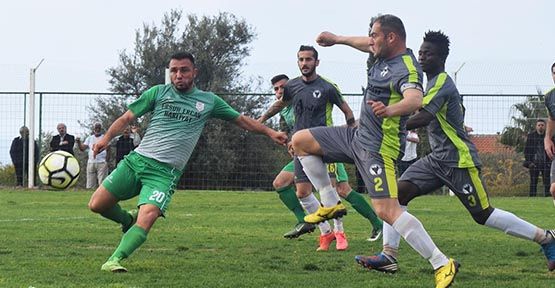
(413, 232)
(391, 238)
(317, 173)
(512, 225)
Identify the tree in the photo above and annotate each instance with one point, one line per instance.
(528, 112)
(220, 45)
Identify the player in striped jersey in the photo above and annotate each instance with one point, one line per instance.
(394, 91)
(453, 162)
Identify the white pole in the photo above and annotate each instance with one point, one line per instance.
(457, 72)
(31, 114)
(167, 78)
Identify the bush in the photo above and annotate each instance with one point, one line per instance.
(7, 175)
(504, 174)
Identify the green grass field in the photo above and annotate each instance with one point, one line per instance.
(231, 239)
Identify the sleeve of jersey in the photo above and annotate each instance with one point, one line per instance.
(223, 111)
(337, 97)
(436, 96)
(413, 77)
(145, 103)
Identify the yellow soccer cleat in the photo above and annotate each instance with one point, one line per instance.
(326, 213)
(113, 266)
(445, 275)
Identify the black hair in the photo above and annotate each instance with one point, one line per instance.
(309, 48)
(440, 40)
(540, 120)
(552, 66)
(390, 23)
(278, 78)
(183, 55)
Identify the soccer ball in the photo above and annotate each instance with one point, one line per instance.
(59, 170)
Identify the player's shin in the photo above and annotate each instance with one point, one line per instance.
(130, 241)
(317, 173)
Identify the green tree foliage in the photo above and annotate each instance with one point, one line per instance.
(524, 122)
(220, 45)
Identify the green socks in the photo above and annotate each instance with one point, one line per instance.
(289, 198)
(130, 241)
(118, 215)
(361, 206)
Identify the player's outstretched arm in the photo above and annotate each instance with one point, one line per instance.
(548, 143)
(273, 110)
(115, 129)
(250, 124)
(327, 39)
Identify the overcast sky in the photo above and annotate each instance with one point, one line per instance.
(505, 46)
(81, 39)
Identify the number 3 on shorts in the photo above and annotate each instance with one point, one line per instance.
(157, 196)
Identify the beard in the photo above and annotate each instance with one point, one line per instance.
(309, 73)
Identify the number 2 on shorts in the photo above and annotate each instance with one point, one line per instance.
(378, 184)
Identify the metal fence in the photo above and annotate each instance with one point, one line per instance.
(486, 114)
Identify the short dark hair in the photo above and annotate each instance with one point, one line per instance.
(391, 23)
(278, 78)
(552, 66)
(440, 40)
(309, 48)
(540, 120)
(183, 55)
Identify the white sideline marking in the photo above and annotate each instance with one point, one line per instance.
(41, 219)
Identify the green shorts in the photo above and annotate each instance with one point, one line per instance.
(290, 167)
(153, 181)
(341, 173)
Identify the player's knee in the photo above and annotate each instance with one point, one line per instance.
(482, 216)
(279, 184)
(95, 206)
(301, 142)
(552, 188)
(343, 189)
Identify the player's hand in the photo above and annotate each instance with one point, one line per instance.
(99, 147)
(379, 108)
(279, 137)
(290, 149)
(326, 39)
(549, 147)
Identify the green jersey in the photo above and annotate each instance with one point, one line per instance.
(177, 121)
(288, 116)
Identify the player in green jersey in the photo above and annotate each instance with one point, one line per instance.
(152, 171)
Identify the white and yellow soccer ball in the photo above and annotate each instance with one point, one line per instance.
(59, 170)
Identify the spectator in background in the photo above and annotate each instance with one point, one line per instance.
(410, 152)
(62, 141)
(127, 142)
(97, 167)
(536, 159)
(20, 154)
